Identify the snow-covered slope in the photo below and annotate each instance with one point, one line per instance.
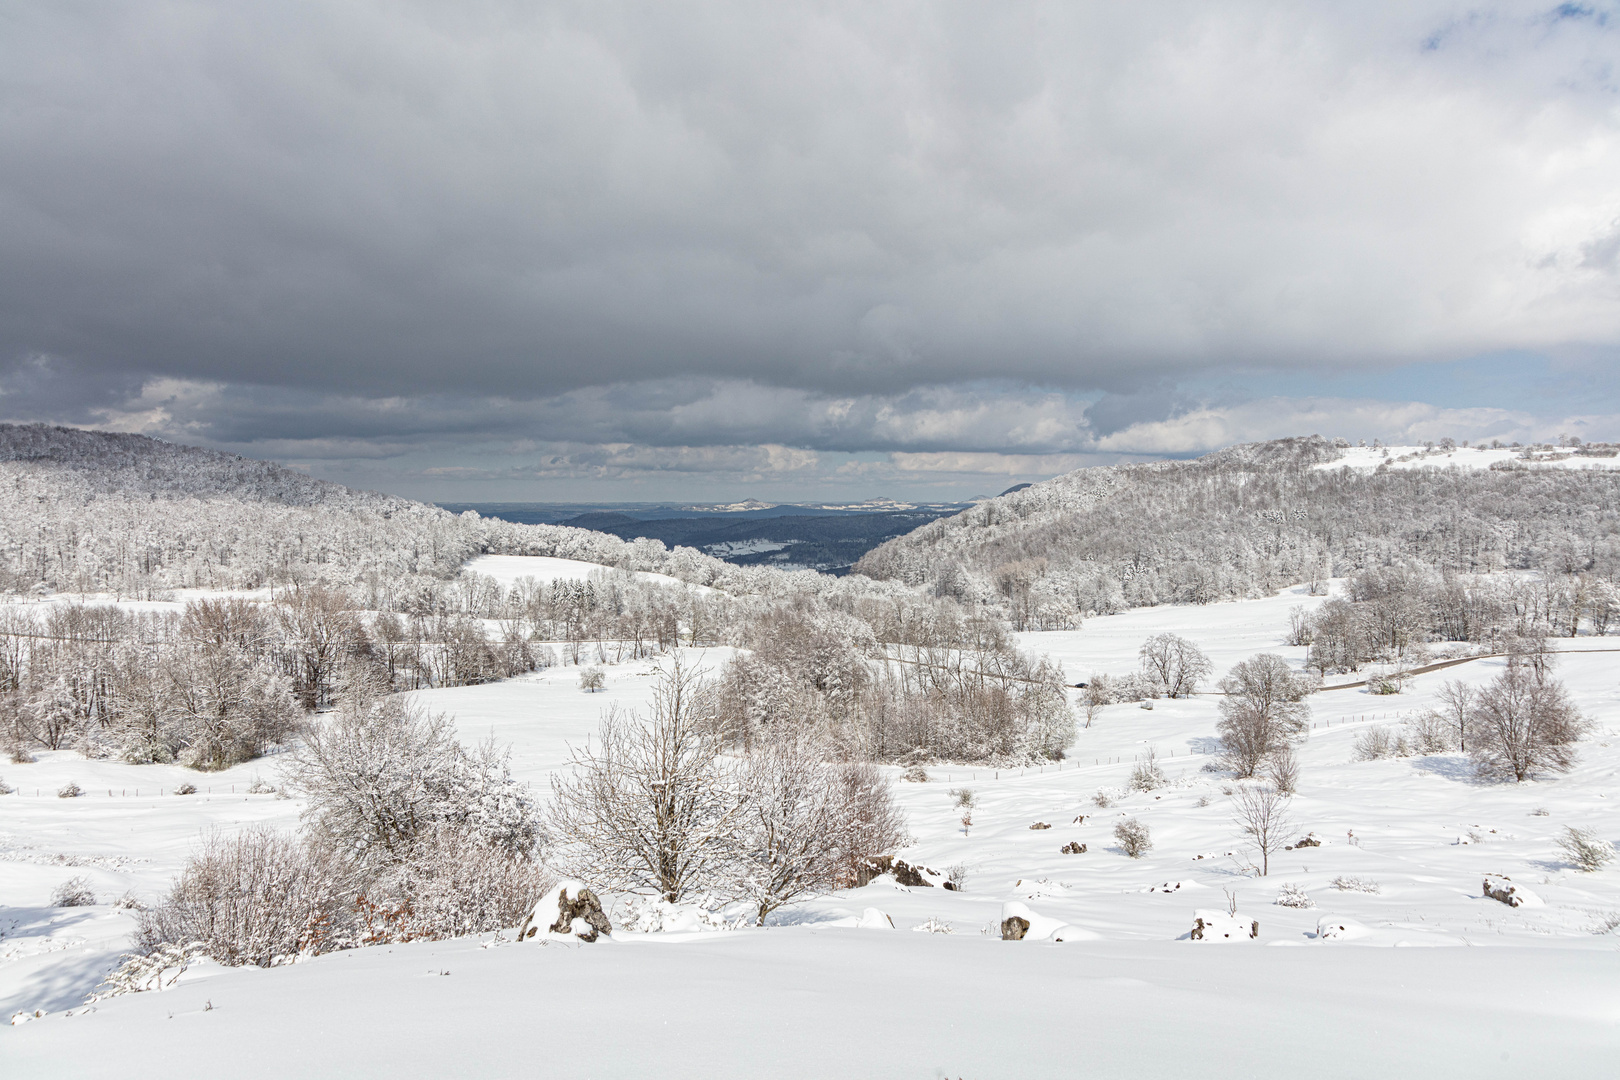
(1369, 458)
(1408, 842)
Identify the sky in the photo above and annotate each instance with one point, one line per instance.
(541, 251)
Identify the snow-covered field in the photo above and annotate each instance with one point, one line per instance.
(1467, 457)
(1533, 991)
(510, 569)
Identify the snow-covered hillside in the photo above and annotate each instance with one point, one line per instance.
(1368, 458)
(1404, 846)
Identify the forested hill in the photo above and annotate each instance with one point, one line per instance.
(104, 512)
(1248, 520)
(104, 462)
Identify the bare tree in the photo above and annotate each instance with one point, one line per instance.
(1456, 703)
(1522, 724)
(1175, 663)
(804, 822)
(649, 805)
(1262, 815)
(1282, 768)
(1263, 710)
(1094, 698)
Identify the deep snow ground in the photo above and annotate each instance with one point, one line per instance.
(813, 996)
(808, 1002)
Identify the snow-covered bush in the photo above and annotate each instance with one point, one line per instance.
(1282, 768)
(1346, 883)
(5, 788)
(1378, 743)
(963, 798)
(934, 925)
(186, 788)
(451, 884)
(380, 772)
(154, 970)
(655, 915)
(69, 790)
(260, 786)
(74, 892)
(1586, 848)
(255, 897)
(1133, 837)
(1294, 896)
(1146, 775)
(1430, 732)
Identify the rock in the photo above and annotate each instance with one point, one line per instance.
(1503, 890)
(1040, 825)
(1019, 923)
(1309, 841)
(1074, 847)
(570, 910)
(1222, 926)
(1330, 928)
(913, 876)
(867, 869)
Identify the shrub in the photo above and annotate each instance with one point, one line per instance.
(1345, 883)
(69, 790)
(1283, 769)
(1430, 732)
(450, 886)
(1102, 799)
(1585, 848)
(5, 788)
(1133, 838)
(915, 775)
(1292, 896)
(260, 787)
(255, 897)
(592, 679)
(1376, 743)
(380, 772)
(1147, 776)
(187, 788)
(964, 797)
(74, 892)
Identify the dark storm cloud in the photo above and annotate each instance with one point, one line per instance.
(414, 225)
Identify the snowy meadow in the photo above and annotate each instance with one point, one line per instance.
(915, 979)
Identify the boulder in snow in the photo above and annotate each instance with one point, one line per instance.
(569, 910)
(873, 919)
(1503, 890)
(1019, 923)
(1074, 847)
(1224, 926)
(1040, 825)
(919, 876)
(1330, 928)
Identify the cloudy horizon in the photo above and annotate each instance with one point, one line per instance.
(571, 252)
